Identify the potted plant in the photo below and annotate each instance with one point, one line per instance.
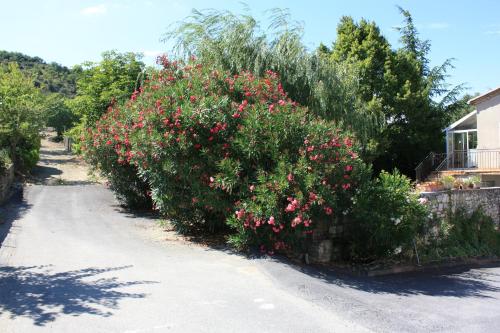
(476, 181)
(459, 184)
(468, 183)
(448, 181)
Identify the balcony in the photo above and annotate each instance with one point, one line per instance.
(480, 160)
(460, 161)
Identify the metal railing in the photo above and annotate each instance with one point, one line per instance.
(471, 159)
(428, 165)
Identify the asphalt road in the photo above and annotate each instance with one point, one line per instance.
(72, 261)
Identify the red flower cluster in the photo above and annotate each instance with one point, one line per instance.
(210, 143)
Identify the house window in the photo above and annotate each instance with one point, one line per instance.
(472, 140)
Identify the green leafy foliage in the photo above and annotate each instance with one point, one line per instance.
(414, 98)
(385, 218)
(461, 235)
(221, 150)
(50, 78)
(237, 43)
(58, 114)
(5, 160)
(101, 84)
(21, 116)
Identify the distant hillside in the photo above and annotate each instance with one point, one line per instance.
(51, 77)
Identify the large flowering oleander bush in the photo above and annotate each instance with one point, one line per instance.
(215, 150)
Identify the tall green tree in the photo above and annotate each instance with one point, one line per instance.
(237, 42)
(365, 51)
(58, 114)
(413, 97)
(21, 114)
(99, 84)
(461, 107)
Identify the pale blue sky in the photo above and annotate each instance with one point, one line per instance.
(70, 32)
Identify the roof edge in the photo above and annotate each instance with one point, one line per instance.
(484, 97)
(461, 120)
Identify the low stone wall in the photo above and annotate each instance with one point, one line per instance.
(6, 180)
(488, 198)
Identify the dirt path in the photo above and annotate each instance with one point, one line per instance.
(58, 167)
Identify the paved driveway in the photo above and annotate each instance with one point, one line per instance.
(72, 261)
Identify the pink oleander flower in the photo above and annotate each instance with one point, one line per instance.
(346, 186)
(271, 220)
(240, 214)
(296, 221)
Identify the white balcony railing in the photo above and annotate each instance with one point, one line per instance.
(471, 159)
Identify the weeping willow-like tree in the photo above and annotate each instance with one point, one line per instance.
(236, 42)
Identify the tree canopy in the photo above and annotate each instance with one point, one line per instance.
(237, 42)
(50, 77)
(99, 84)
(413, 97)
(21, 112)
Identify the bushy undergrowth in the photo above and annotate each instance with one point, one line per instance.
(5, 160)
(461, 235)
(385, 218)
(220, 150)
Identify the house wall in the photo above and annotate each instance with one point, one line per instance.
(488, 133)
(488, 124)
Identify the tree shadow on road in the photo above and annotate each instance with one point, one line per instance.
(462, 281)
(12, 211)
(41, 173)
(37, 293)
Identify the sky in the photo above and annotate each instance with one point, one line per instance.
(71, 32)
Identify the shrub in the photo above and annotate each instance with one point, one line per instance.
(463, 234)
(221, 150)
(122, 177)
(28, 152)
(5, 160)
(29, 157)
(59, 115)
(448, 181)
(385, 218)
(21, 116)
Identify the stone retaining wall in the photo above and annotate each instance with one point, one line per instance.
(488, 198)
(6, 180)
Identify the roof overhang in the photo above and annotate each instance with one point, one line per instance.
(461, 121)
(484, 97)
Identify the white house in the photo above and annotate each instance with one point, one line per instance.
(472, 143)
